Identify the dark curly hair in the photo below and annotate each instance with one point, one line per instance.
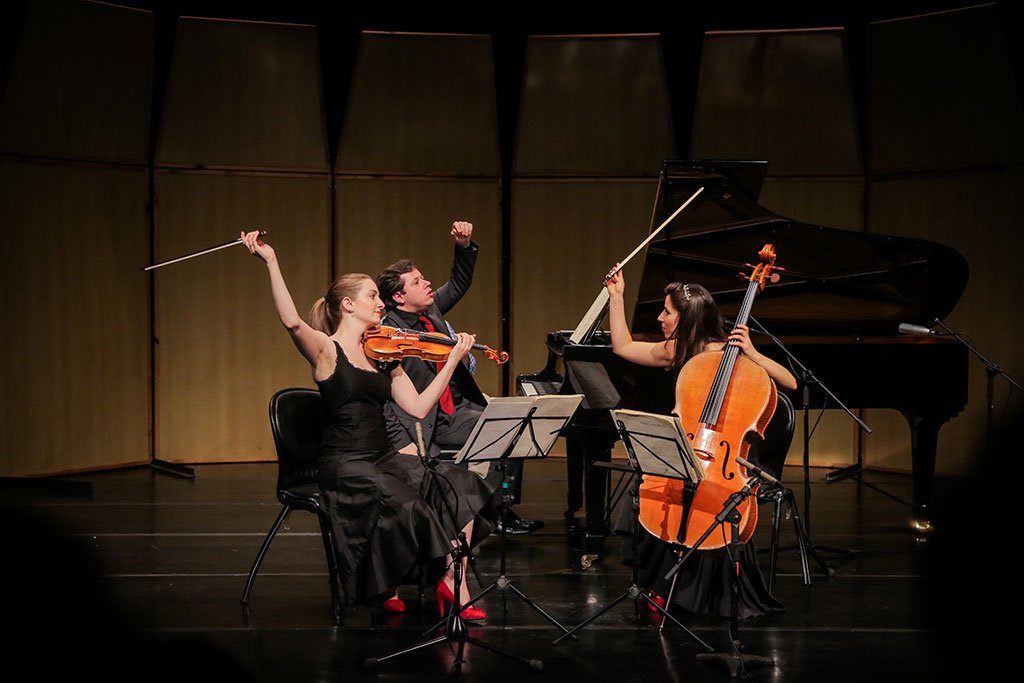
(389, 282)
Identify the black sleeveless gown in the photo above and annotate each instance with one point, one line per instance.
(388, 515)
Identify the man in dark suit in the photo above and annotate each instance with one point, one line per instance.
(412, 304)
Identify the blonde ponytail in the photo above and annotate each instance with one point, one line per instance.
(325, 315)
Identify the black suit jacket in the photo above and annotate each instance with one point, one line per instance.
(402, 426)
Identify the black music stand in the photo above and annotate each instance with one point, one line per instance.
(735, 660)
(655, 444)
(496, 437)
(456, 630)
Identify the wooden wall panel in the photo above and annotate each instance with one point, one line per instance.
(74, 359)
(566, 235)
(80, 84)
(244, 95)
(594, 106)
(221, 351)
(783, 96)
(943, 93)
(977, 215)
(381, 221)
(422, 104)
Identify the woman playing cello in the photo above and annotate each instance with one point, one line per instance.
(383, 524)
(691, 325)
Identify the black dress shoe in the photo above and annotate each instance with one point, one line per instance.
(518, 526)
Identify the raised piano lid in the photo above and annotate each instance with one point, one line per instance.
(836, 281)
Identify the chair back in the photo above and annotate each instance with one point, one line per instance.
(770, 454)
(297, 420)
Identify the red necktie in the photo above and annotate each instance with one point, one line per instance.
(447, 404)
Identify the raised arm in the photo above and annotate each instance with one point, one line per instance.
(404, 393)
(463, 264)
(653, 354)
(312, 344)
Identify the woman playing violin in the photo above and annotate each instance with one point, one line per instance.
(388, 515)
(691, 324)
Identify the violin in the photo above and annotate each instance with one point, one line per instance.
(390, 343)
(724, 401)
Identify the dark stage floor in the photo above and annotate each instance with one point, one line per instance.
(150, 586)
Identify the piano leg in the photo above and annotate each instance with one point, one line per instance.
(587, 483)
(595, 482)
(574, 470)
(924, 438)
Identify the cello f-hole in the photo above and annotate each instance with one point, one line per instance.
(725, 461)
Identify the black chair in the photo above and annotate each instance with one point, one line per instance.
(297, 421)
(770, 455)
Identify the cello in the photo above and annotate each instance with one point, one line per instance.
(724, 401)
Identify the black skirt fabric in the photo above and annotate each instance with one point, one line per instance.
(704, 584)
(390, 518)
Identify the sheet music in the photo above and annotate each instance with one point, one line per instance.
(590, 317)
(500, 420)
(661, 444)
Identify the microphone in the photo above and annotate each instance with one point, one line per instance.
(916, 330)
(427, 461)
(758, 471)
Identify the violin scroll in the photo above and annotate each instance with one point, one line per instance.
(499, 357)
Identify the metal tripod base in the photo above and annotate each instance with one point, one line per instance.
(504, 584)
(735, 661)
(458, 634)
(637, 594)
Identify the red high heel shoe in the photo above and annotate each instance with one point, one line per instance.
(660, 601)
(445, 597)
(393, 604)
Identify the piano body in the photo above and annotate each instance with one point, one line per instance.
(837, 308)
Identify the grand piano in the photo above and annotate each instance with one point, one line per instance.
(837, 308)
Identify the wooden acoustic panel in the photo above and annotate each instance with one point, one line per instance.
(783, 96)
(566, 236)
(381, 221)
(80, 84)
(74, 359)
(421, 104)
(594, 105)
(221, 351)
(943, 92)
(244, 95)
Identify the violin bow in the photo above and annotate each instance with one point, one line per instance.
(592, 317)
(199, 253)
(650, 237)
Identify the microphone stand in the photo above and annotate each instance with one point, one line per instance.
(991, 372)
(736, 661)
(807, 379)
